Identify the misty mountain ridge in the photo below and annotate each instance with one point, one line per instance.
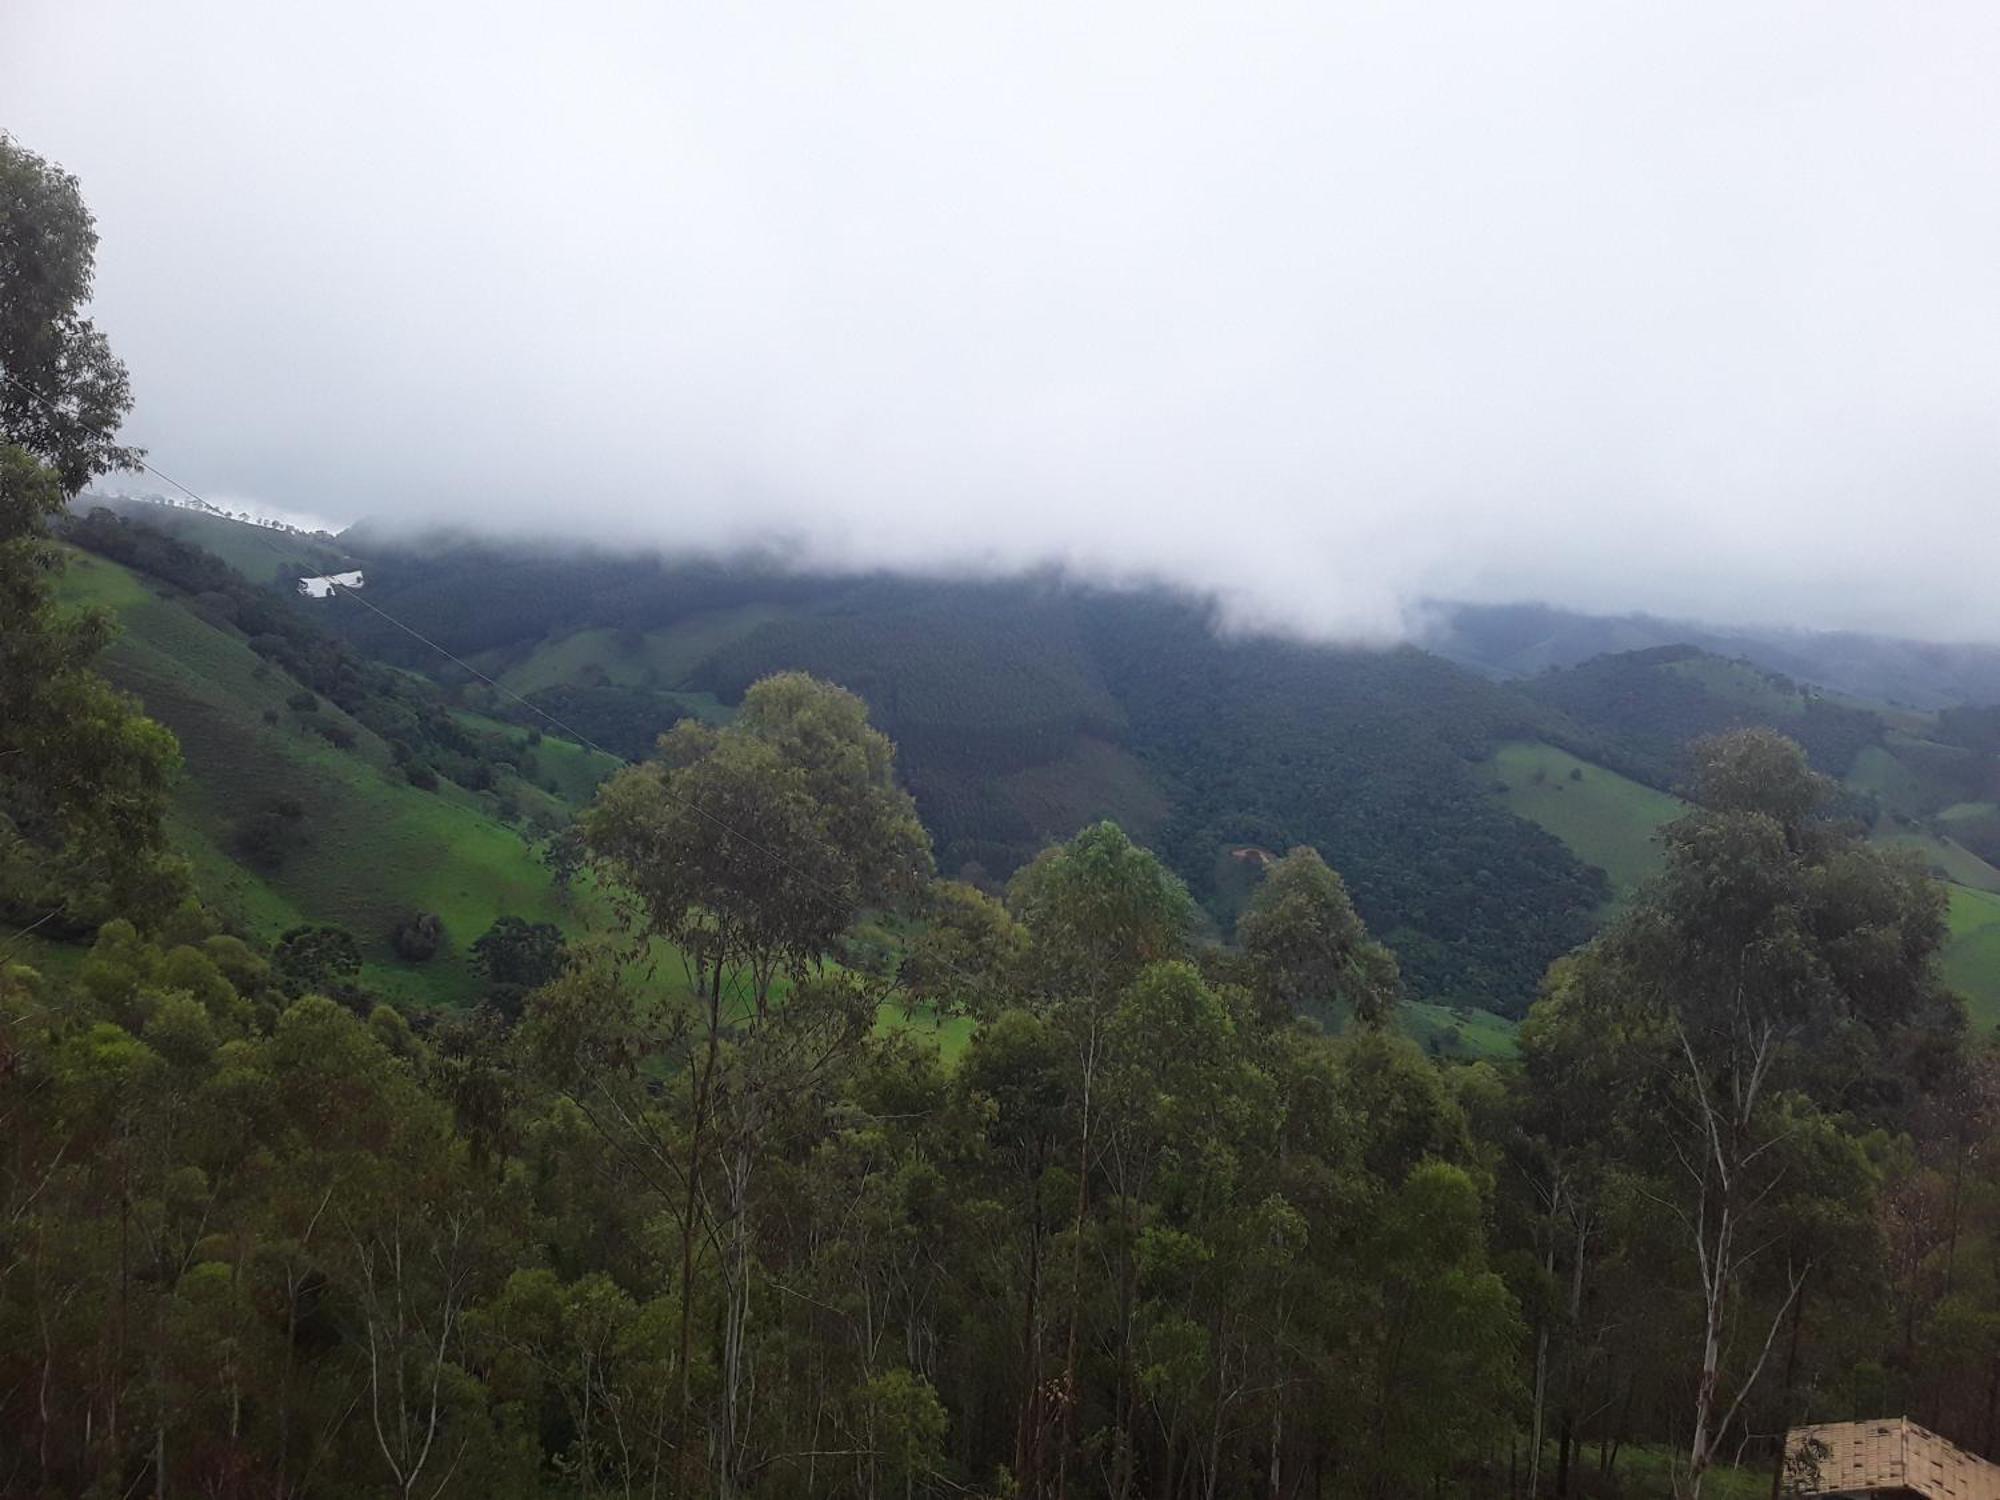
(1485, 810)
(1508, 641)
(1503, 641)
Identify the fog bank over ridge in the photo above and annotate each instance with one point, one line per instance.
(1324, 310)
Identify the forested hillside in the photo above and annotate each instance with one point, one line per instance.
(1485, 829)
(1026, 708)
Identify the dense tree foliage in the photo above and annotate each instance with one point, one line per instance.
(1304, 945)
(515, 956)
(83, 778)
(627, 721)
(63, 393)
(1147, 1237)
(530, 594)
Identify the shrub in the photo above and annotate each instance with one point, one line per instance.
(317, 957)
(417, 936)
(262, 841)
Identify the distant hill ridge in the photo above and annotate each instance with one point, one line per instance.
(1522, 640)
(1484, 821)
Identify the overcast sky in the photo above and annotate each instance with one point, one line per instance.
(1690, 307)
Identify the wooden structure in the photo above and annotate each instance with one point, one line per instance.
(1891, 1459)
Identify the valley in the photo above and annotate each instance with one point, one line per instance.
(1484, 826)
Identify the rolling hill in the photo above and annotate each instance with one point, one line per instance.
(1484, 827)
(1025, 707)
(1513, 641)
(292, 813)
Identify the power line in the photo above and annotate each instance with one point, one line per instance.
(342, 591)
(14, 941)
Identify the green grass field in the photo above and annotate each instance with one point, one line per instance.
(949, 1034)
(1972, 953)
(576, 770)
(1968, 812)
(1606, 819)
(1917, 776)
(1468, 1034)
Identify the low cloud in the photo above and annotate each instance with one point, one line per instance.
(1326, 309)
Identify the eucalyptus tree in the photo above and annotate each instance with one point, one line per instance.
(1099, 909)
(1306, 948)
(751, 850)
(1774, 949)
(63, 393)
(83, 777)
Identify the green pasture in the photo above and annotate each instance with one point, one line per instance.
(1606, 819)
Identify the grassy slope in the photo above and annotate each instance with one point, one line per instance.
(1458, 1033)
(1972, 953)
(1606, 819)
(1877, 770)
(567, 774)
(657, 658)
(951, 1035)
(371, 849)
(1947, 859)
(1610, 822)
(1968, 812)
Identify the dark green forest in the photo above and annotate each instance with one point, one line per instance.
(1022, 708)
(689, 1196)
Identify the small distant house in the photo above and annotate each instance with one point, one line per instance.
(319, 588)
(1891, 1459)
